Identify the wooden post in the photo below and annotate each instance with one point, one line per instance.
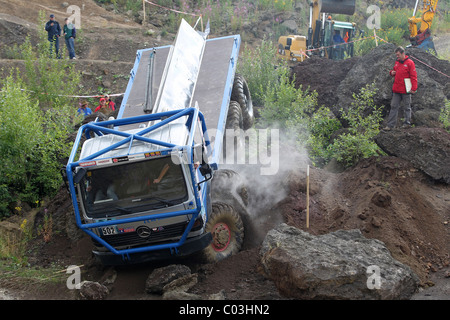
(307, 197)
(143, 8)
(375, 35)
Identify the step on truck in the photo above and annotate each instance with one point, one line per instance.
(146, 184)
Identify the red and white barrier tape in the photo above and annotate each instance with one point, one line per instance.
(70, 96)
(419, 60)
(340, 44)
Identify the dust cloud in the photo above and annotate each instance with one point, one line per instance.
(265, 191)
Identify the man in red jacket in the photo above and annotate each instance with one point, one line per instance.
(404, 68)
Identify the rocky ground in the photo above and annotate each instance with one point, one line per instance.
(394, 199)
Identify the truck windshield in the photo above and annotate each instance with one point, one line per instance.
(132, 187)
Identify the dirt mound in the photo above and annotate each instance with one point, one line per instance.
(323, 76)
(387, 199)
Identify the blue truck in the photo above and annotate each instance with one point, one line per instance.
(146, 184)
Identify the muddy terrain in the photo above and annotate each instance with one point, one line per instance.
(387, 198)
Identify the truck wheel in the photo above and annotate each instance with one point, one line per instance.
(227, 183)
(241, 94)
(227, 230)
(234, 117)
(235, 123)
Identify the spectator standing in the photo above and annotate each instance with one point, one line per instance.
(103, 107)
(404, 68)
(70, 34)
(54, 31)
(110, 103)
(84, 109)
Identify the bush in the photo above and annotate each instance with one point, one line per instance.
(295, 111)
(288, 107)
(19, 135)
(364, 119)
(261, 69)
(444, 116)
(322, 125)
(36, 117)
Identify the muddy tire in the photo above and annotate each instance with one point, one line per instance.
(235, 123)
(241, 94)
(227, 229)
(235, 120)
(226, 184)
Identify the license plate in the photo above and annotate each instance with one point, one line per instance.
(108, 230)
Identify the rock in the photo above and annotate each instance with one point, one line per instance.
(337, 265)
(162, 276)
(182, 284)
(290, 26)
(180, 295)
(376, 222)
(106, 84)
(218, 296)
(109, 278)
(428, 149)
(90, 290)
(381, 199)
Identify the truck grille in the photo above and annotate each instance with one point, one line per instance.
(132, 239)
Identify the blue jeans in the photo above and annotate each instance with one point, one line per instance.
(70, 43)
(54, 42)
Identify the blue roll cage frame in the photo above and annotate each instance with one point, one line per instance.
(101, 128)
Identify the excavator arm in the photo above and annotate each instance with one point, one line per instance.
(417, 36)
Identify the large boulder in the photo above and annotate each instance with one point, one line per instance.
(428, 149)
(338, 265)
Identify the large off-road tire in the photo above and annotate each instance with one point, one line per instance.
(227, 184)
(227, 229)
(241, 94)
(234, 117)
(234, 123)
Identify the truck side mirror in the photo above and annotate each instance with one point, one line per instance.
(79, 175)
(206, 171)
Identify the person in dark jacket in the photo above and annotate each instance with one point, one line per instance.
(70, 34)
(54, 31)
(404, 68)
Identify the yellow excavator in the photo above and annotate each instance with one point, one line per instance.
(326, 37)
(421, 37)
